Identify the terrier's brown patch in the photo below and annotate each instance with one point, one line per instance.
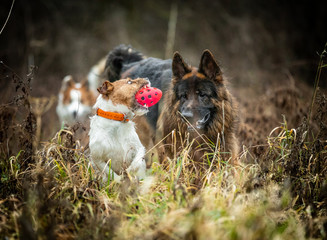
(122, 91)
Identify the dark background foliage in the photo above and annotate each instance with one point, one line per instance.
(260, 44)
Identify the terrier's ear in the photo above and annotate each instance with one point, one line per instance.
(209, 67)
(180, 68)
(106, 88)
(67, 82)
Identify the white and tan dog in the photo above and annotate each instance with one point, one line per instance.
(114, 144)
(75, 101)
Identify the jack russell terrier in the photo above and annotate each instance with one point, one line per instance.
(115, 146)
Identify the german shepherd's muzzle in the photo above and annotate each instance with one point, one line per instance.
(194, 113)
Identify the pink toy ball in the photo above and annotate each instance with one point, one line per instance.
(148, 96)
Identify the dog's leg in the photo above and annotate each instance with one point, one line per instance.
(138, 165)
(106, 172)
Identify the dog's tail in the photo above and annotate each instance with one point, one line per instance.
(120, 55)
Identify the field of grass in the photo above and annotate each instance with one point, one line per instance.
(52, 192)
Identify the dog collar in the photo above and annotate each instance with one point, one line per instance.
(112, 115)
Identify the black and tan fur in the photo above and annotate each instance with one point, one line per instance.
(204, 88)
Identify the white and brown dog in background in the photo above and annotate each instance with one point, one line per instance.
(115, 146)
(75, 101)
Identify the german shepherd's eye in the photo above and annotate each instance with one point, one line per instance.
(203, 97)
(183, 96)
(201, 94)
(129, 82)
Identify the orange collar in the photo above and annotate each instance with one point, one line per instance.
(112, 115)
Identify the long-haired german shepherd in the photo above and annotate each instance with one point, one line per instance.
(197, 108)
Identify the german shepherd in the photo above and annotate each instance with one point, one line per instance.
(197, 106)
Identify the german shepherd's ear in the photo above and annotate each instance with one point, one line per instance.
(180, 68)
(106, 88)
(209, 67)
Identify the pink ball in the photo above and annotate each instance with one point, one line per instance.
(148, 96)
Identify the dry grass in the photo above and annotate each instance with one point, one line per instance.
(64, 199)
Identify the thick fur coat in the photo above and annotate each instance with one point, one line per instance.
(202, 110)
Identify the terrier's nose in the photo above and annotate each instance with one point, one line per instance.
(75, 114)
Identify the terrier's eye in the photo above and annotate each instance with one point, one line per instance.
(129, 82)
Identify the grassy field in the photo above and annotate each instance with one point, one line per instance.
(52, 192)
